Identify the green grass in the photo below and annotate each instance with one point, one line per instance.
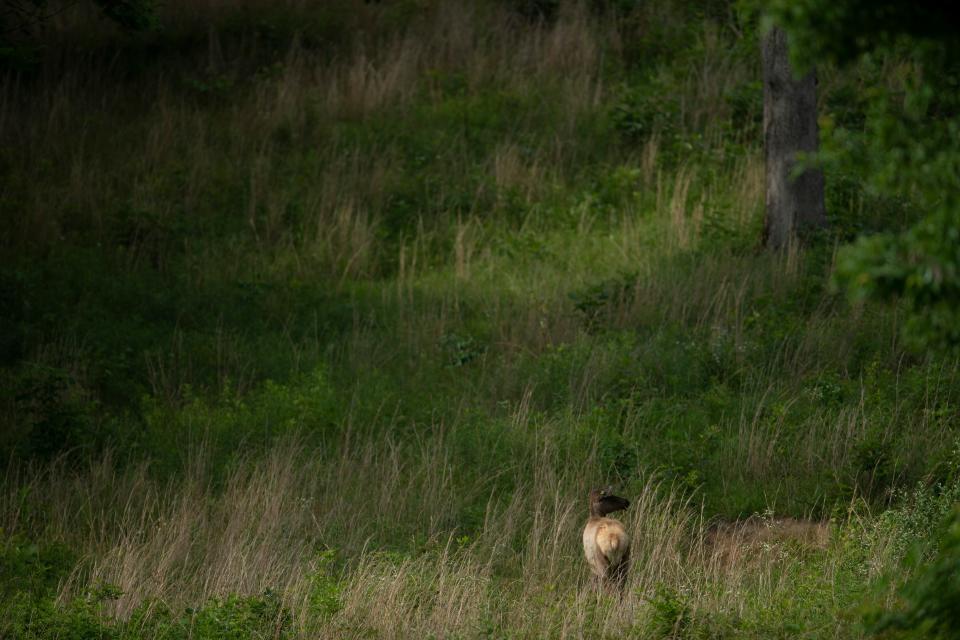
(322, 322)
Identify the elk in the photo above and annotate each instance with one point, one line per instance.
(606, 543)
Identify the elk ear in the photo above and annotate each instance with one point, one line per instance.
(609, 504)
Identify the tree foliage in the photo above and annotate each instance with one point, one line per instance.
(907, 147)
(929, 603)
(25, 15)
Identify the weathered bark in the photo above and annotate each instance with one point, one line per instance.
(794, 204)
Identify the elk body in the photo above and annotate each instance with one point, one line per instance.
(606, 543)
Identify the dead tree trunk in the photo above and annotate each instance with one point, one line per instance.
(794, 203)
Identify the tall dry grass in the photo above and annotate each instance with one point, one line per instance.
(518, 569)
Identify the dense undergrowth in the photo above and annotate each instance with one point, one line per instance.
(320, 322)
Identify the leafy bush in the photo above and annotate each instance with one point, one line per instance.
(236, 618)
(325, 588)
(535, 9)
(919, 517)
(83, 618)
(56, 413)
(32, 568)
(594, 302)
(644, 111)
(304, 407)
(922, 268)
(671, 612)
(929, 602)
(460, 350)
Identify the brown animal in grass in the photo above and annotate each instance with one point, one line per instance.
(606, 543)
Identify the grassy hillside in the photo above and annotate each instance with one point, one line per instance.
(321, 319)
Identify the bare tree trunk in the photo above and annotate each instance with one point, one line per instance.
(794, 204)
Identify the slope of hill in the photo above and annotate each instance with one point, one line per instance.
(321, 321)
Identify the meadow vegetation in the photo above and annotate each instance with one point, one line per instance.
(321, 319)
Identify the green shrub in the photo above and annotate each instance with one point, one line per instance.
(81, 618)
(57, 415)
(238, 618)
(306, 406)
(600, 299)
(32, 568)
(671, 612)
(644, 111)
(919, 517)
(325, 589)
(928, 604)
